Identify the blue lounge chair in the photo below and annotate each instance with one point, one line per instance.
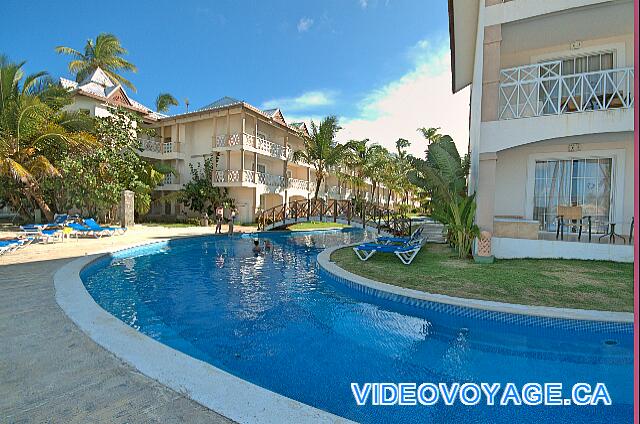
(93, 225)
(58, 222)
(7, 246)
(47, 235)
(402, 240)
(33, 228)
(405, 252)
(42, 232)
(79, 229)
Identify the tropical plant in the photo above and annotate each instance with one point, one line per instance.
(395, 172)
(164, 101)
(35, 132)
(432, 135)
(443, 177)
(105, 53)
(401, 147)
(321, 150)
(199, 194)
(94, 181)
(363, 161)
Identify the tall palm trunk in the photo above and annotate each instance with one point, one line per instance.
(42, 204)
(318, 183)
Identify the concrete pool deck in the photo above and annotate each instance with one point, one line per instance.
(50, 371)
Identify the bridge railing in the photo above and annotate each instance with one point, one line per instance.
(367, 214)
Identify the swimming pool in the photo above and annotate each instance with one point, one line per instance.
(278, 322)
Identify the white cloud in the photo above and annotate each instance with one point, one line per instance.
(306, 100)
(304, 24)
(364, 3)
(420, 98)
(304, 118)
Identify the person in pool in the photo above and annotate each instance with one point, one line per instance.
(256, 246)
(267, 245)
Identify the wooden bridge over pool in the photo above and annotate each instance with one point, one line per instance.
(369, 214)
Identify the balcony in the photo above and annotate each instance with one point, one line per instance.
(542, 89)
(236, 177)
(537, 102)
(296, 184)
(170, 182)
(155, 148)
(253, 143)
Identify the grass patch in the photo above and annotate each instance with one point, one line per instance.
(315, 225)
(600, 285)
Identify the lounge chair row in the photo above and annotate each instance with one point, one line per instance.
(62, 226)
(405, 248)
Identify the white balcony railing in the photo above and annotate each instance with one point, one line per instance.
(297, 184)
(168, 179)
(270, 180)
(334, 191)
(238, 176)
(156, 145)
(265, 146)
(542, 89)
(227, 176)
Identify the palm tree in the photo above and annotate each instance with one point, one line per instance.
(432, 135)
(33, 130)
(366, 162)
(104, 53)
(401, 147)
(164, 101)
(443, 176)
(399, 167)
(321, 150)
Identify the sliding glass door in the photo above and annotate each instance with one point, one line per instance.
(572, 182)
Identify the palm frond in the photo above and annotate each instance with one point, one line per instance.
(15, 170)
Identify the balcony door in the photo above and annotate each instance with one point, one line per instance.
(584, 182)
(572, 89)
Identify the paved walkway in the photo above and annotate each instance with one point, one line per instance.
(51, 372)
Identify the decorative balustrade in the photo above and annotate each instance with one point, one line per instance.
(247, 140)
(168, 179)
(150, 144)
(334, 191)
(227, 176)
(155, 145)
(249, 175)
(542, 89)
(270, 179)
(167, 147)
(236, 176)
(221, 140)
(298, 184)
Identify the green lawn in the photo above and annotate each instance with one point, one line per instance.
(599, 285)
(315, 225)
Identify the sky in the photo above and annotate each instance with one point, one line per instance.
(381, 66)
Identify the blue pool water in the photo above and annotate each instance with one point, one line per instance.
(278, 322)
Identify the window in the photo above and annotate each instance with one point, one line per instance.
(587, 63)
(572, 182)
(262, 168)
